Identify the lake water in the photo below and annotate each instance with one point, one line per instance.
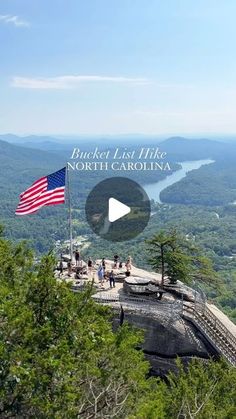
(154, 189)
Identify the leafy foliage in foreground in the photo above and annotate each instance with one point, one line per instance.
(60, 358)
(204, 391)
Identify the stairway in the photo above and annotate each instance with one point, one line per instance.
(213, 329)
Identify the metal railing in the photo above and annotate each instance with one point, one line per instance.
(170, 309)
(218, 335)
(213, 329)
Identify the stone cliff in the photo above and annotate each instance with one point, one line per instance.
(165, 339)
(173, 325)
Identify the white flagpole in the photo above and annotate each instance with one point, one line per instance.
(70, 213)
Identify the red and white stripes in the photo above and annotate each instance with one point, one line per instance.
(38, 196)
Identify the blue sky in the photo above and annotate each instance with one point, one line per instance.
(112, 67)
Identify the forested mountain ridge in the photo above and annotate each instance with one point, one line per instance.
(24, 154)
(17, 161)
(184, 149)
(212, 184)
(19, 168)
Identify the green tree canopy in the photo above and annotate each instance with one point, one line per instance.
(177, 258)
(59, 355)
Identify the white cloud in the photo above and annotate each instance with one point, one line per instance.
(70, 82)
(14, 20)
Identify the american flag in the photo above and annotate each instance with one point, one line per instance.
(48, 190)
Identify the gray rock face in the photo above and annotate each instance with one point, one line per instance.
(165, 339)
(167, 335)
(182, 291)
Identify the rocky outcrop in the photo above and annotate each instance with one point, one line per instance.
(169, 323)
(166, 339)
(181, 291)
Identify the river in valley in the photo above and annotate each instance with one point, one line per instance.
(154, 189)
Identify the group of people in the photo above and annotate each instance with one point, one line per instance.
(118, 263)
(78, 263)
(103, 273)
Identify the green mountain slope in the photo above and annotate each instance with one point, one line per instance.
(213, 184)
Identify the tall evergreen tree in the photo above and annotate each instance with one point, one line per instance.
(178, 259)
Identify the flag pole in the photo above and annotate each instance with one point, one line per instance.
(69, 210)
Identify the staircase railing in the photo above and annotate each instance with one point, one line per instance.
(213, 329)
(165, 309)
(217, 334)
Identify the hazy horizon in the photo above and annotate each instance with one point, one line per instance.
(71, 139)
(123, 134)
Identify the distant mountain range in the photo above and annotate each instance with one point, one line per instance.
(177, 148)
(20, 159)
(182, 149)
(34, 141)
(23, 159)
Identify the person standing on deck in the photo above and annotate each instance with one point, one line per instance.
(77, 257)
(116, 259)
(104, 264)
(128, 265)
(112, 280)
(101, 275)
(90, 266)
(69, 267)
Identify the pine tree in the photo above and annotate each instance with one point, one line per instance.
(178, 259)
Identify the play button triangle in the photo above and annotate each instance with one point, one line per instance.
(116, 210)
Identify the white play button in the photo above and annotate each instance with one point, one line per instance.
(116, 210)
